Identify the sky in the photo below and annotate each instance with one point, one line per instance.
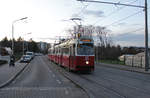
(47, 19)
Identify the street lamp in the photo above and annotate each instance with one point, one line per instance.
(12, 55)
(23, 42)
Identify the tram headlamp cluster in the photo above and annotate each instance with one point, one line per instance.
(87, 62)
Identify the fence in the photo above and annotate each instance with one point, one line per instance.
(135, 61)
(6, 58)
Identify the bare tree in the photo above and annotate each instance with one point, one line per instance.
(102, 34)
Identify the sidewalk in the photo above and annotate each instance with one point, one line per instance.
(7, 72)
(125, 67)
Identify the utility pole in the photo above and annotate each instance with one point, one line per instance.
(0, 47)
(146, 39)
(146, 24)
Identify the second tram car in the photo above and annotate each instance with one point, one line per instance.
(74, 54)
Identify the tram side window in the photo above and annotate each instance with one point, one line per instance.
(59, 51)
(73, 49)
(65, 51)
(54, 51)
(50, 51)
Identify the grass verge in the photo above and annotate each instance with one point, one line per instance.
(112, 62)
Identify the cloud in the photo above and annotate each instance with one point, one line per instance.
(129, 39)
(121, 24)
(128, 44)
(94, 13)
(77, 16)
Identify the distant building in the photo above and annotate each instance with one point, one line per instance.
(43, 46)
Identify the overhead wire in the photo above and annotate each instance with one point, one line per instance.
(118, 21)
(114, 12)
(85, 6)
(136, 30)
(139, 29)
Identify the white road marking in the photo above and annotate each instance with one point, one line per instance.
(58, 81)
(53, 75)
(66, 91)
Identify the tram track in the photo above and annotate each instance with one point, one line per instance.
(63, 72)
(107, 88)
(126, 74)
(133, 82)
(91, 93)
(114, 90)
(108, 83)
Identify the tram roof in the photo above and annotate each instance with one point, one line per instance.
(74, 40)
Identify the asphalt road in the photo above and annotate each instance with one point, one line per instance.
(44, 79)
(114, 83)
(108, 82)
(39, 80)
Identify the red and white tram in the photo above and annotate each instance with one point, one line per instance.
(74, 54)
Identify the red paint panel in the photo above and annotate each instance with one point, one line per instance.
(73, 62)
(60, 59)
(56, 59)
(65, 61)
(49, 56)
(81, 62)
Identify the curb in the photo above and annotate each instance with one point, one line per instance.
(75, 82)
(126, 69)
(13, 77)
(78, 85)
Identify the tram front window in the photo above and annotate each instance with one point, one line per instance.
(85, 49)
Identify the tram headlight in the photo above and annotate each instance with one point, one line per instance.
(87, 62)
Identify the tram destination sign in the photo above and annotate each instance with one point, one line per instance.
(86, 40)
